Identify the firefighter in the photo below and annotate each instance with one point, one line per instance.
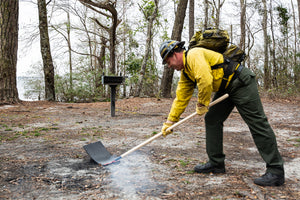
(195, 67)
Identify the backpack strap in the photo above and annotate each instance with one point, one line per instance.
(229, 68)
(227, 72)
(217, 66)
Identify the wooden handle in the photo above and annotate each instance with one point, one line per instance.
(218, 100)
(171, 127)
(195, 113)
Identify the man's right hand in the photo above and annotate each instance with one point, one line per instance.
(166, 125)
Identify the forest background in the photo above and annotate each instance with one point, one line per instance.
(64, 50)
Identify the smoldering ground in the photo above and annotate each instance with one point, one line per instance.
(134, 176)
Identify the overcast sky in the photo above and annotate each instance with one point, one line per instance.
(28, 15)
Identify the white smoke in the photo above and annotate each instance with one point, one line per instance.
(132, 176)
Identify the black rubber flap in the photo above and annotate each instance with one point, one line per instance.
(98, 153)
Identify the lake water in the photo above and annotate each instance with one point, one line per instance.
(26, 90)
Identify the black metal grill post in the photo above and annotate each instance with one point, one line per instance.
(112, 99)
(113, 82)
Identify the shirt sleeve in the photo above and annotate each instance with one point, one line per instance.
(201, 69)
(184, 92)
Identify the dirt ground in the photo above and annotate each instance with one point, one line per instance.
(42, 155)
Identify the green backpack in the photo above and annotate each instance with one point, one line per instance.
(218, 40)
(213, 39)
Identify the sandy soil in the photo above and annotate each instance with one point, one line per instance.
(42, 155)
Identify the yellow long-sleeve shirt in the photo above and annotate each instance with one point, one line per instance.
(198, 68)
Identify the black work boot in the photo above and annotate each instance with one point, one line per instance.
(269, 179)
(208, 168)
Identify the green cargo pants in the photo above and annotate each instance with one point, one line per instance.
(244, 95)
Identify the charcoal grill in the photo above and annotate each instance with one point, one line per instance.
(113, 82)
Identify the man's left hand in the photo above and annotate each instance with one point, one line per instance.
(167, 125)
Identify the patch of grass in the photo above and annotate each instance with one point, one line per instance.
(4, 126)
(85, 134)
(24, 133)
(183, 163)
(295, 140)
(9, 137)
(44, 129)
(12, 138)
(186, 182)
(190, 172)
(37, 134)
(154, 133)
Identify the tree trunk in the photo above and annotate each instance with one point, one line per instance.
(70, 55)
(298, 1)
(266, 45)
(166, 82)
(46, 52)
(218, 7)
(295, 66)
(191, 19)
(284, 16)
(205, 14)
(147, 50)
(9, 14)
(243, 24)
(101, 61)
(273, 53)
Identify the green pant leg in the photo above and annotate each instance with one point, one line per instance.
(245, 97)
(214, 119)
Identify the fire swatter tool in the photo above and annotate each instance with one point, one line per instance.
(100, 155)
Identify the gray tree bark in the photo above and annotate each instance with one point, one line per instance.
(298, 1)
(191, 18)
(266, 45)
(243, 24)
(272, 51)
(46, 52)
(206, 14)
(9, 14)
